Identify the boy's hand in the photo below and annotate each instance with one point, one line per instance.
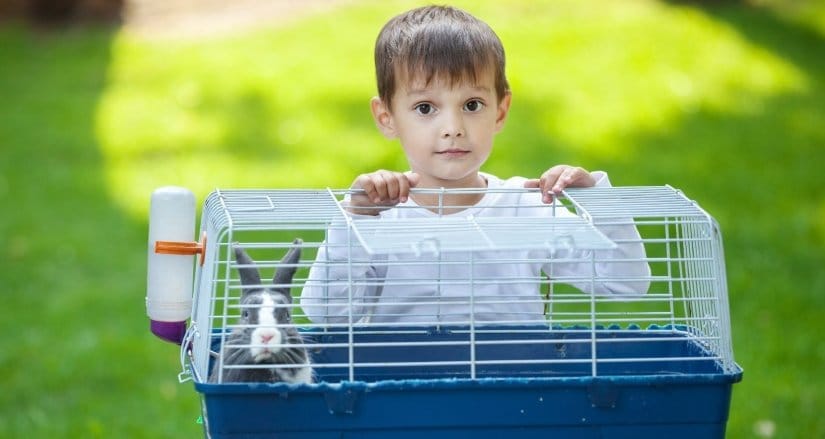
(555, 179)
(382, 190)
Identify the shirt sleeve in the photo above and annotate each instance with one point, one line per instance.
(343, 280)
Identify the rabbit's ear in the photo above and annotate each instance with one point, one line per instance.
(249, 275)
(283, 276)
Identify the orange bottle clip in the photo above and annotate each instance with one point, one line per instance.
(183, 248)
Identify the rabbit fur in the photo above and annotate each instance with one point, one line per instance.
(255, 341)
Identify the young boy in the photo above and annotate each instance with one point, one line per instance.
(443, 93)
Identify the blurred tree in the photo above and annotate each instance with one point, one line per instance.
(56, 12)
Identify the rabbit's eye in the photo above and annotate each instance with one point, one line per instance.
(245, 313)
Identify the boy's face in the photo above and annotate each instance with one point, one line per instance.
(446, 130)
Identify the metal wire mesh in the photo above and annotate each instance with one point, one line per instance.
(581, 287)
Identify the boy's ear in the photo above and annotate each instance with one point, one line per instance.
(383, 118)
(502, 110)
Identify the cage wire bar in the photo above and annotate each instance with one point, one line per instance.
(677, 325)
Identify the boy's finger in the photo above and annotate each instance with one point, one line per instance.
(532, 183)
(365, 183)
(579, 177)
(393, 185)
(381, 192)
(408, 180)
(372, 191)
(549, 182)
(550, 179)
(403, 188)
(412, 178)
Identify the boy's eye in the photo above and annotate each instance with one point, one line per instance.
(473, 106)
(423, 108)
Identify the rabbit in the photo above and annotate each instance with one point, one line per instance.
(255, 341)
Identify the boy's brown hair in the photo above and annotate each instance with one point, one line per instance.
(437, 41)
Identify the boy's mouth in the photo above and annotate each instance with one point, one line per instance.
(453, 152)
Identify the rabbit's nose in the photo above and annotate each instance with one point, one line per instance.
(266, 337)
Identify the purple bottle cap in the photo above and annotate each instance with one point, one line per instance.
(170, 331)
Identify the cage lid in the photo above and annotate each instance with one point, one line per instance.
(445, 234)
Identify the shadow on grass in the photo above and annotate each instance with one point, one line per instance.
(76, 359)
(759, 172)
(777, 283)
(250, 136)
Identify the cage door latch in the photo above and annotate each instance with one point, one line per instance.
(341, 401)
(603, 394)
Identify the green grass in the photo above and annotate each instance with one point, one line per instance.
(724, 102)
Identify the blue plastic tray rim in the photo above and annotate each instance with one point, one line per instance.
(467, 383)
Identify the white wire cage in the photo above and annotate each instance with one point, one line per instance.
(605, 282)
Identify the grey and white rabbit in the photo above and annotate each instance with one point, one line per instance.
(256, 340)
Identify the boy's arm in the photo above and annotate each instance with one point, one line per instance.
(342, 270)
(621, 271)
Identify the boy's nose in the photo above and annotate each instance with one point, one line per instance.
(452, 133)
(453, 126)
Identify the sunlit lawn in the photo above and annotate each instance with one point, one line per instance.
(726, 103)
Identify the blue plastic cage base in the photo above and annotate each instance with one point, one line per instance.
(648, 398)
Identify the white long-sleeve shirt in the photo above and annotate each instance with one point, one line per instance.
(346, 284)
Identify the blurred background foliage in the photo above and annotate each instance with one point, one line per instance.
(724, 100)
